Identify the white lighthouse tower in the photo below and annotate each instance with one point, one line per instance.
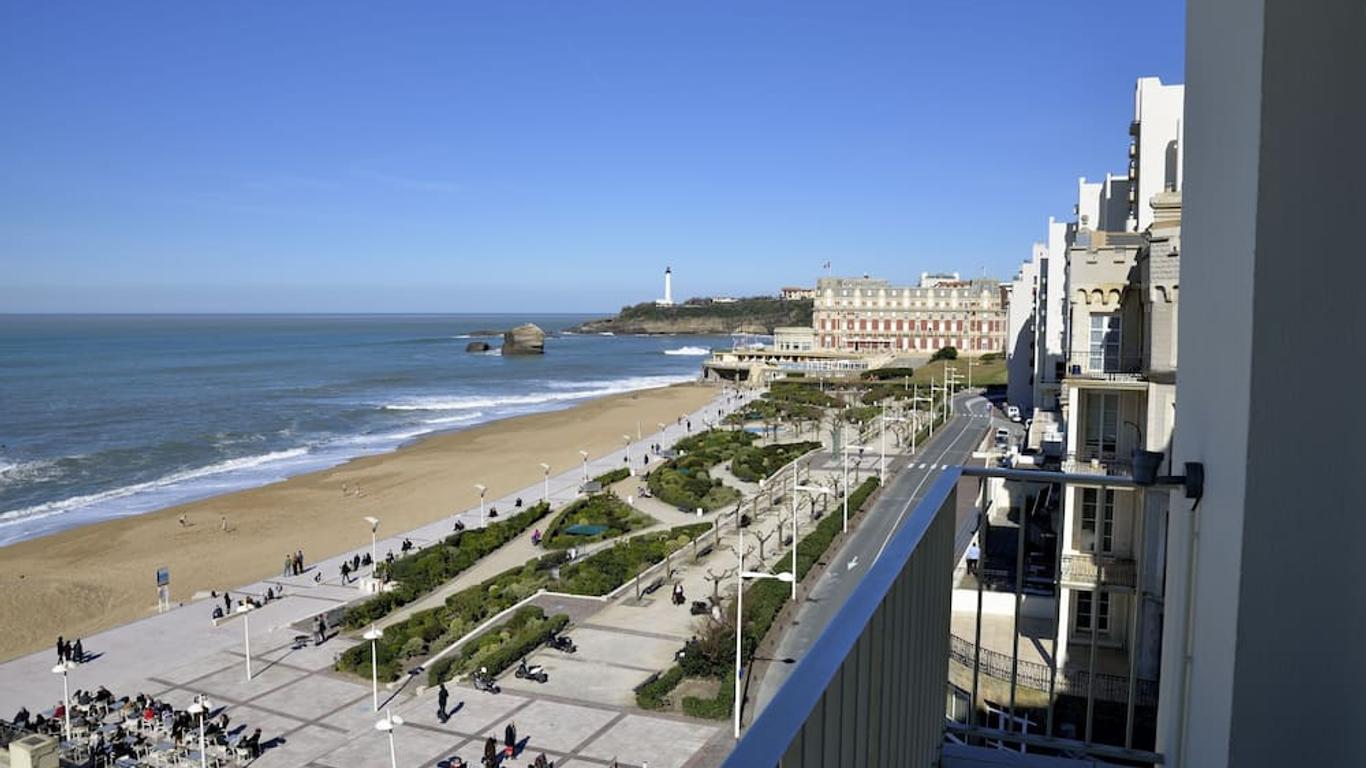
(668, 300)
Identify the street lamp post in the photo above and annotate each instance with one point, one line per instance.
(387, 725)
(374, 554)
(545, 493)
(201, 706)
(814, 491)
(584, 455)
(630, 468)
(482, 490)
(245, 609)
(373, 635)
(62, 669)
(740, 575)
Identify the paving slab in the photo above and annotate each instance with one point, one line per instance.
(413, 746)
(231, 684)
(586, 681)
(669, 743)
(475, 712)
(608, 647)
(310, 698)
(296, 748)
(553, 726)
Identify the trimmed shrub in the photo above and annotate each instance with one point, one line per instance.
(598, 509)
(945, 353)
(501, 646)
(882, 374)
(614, 476)
(652, 695)
(426, 569)
(718, 708)
(685, 484)
(751, 464)
(604, 571)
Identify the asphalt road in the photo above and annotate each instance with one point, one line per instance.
(911, 476)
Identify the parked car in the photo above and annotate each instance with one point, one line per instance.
(1013, 413)
(1002, 436)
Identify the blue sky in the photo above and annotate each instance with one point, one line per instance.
(516, 156)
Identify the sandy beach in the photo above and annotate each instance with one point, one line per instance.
(81, 581)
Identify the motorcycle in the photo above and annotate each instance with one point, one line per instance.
(483, 682)
(535, 672)
(563, 644)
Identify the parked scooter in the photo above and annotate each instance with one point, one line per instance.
(484, 682)
(563, 644)
(535, 672)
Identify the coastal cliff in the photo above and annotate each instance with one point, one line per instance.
(703, 317)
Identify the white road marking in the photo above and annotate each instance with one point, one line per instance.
(900, 515)
(853, 563)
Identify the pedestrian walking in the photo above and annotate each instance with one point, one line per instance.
(974, 554)
(510, 739)
(289, 565)
(77, 653)
(490, 752)
(442, 696)
(346, 572)
(61, 650)
(227, 604)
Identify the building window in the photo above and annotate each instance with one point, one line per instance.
(1097, 503)
(1086, 603)
(1102, 424)
(1105, 333)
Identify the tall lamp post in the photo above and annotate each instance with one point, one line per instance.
(374, 553)
(201, 707)
(373, 635)
(813, 490)
(387, 725)
(482, 490)
(847, 449)
(630, 468)
(62, 669)
(740, 575)
(545, 476)
(245, 609)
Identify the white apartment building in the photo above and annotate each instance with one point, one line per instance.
(869, 314)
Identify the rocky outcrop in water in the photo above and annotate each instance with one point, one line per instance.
(477, 346)
(525, 339)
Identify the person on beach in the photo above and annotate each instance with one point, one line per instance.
(289, 565)
(510, 739)
(442, 696)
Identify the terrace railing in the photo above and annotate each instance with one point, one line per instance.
(871, 690)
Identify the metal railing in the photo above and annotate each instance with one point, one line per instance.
(1082, 569)
(871, 690)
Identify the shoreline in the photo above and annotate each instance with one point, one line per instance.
(81, 580)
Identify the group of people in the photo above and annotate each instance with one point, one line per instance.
(70, 652)
(294, 563)
(131, 727)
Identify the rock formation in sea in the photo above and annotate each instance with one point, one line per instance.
(477, 346)
(526, 339)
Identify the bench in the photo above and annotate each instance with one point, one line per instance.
(707, 550)
(654, 586)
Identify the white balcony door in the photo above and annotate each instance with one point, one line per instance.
(1105, 336)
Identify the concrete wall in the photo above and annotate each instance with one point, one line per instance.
(1270, 280)
(1158, 108)
(1020, 331)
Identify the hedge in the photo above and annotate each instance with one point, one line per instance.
(751, 464)
(614, 476)
(426, 569)
(718, 708)
(463, 611)
(888, 373)
(764, 600)
(599, 509)
(501, 646)
(715, 445)
(685, 484)
(651, 695)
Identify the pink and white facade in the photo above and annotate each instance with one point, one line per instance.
(867, 314)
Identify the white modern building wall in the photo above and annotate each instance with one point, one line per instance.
(1155, 153)
(1020, 331)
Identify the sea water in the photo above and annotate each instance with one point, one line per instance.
(106, 416)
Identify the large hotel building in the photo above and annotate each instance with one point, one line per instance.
(867, 314)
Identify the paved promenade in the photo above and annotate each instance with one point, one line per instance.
(311, 716)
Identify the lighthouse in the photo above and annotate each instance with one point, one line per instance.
(668, 300)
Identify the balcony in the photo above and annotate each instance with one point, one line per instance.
(1102, 465)
(1083, 570)
(872, 689)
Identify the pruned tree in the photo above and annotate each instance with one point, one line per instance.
(717, 579)
(763, 539)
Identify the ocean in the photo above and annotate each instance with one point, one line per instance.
(107, 416)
